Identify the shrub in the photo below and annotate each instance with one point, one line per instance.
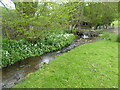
(14, 51)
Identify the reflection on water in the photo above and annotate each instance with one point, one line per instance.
(16, 73)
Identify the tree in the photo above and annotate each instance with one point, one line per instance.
(101, 13)
(26, 9)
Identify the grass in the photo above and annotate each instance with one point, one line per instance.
(93, 65)
(116, 23)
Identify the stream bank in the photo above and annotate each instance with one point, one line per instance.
(16, 73)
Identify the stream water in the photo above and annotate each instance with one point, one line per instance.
(16, 73)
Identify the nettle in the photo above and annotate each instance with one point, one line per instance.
(14, 51)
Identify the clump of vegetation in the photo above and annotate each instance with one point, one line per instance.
(14, 51)
(24, 22)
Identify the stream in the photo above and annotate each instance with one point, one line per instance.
(16, 73)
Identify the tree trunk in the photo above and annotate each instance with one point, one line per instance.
(79, 24)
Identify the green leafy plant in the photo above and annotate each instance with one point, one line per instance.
(14, 51)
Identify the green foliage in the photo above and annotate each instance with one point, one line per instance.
(97, 15)
(14, 51)
(30, 22)
(26, 9)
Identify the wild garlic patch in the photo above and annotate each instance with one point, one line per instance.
(14, 51)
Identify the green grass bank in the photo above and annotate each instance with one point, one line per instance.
(93, 65)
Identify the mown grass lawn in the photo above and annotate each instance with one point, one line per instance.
(93, 65)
